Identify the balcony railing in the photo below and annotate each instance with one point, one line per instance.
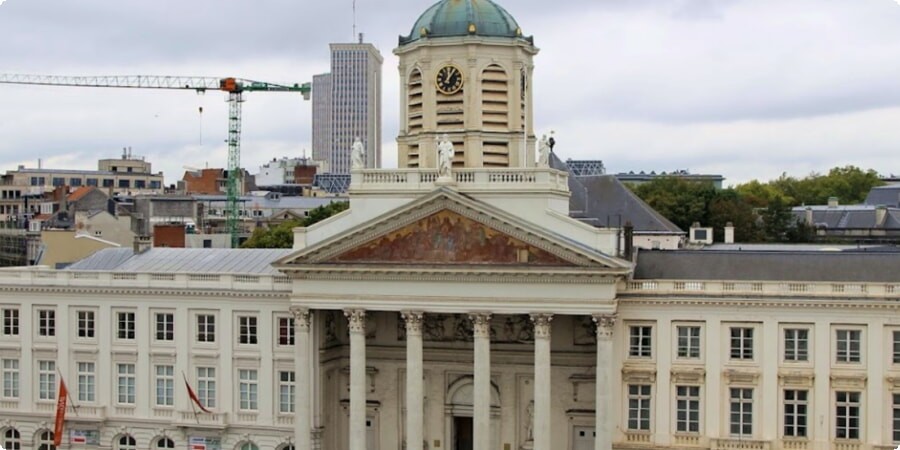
(201, 419)
(512, 179)
(763, 288)
(739, 444)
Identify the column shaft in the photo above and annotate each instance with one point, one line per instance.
(482, 385)
(357, 325)
(542, 434)
(301, 374)
(415, 394)
(604, 389)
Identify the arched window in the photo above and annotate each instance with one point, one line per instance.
(286, 447)
(45, 440)
(126, 442)
(248, 446)
(165, 442)
(12, 440)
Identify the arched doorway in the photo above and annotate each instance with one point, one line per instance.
(458, 414)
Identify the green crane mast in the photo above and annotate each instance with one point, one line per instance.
(235, 87)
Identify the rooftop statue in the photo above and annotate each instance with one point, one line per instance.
(357, 155)
(445, 157)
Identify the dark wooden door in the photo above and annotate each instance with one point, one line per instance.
(463, 433)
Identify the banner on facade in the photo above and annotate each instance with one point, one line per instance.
(84, 437)
(204, 443)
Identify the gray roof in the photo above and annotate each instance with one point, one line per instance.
(848, 216)
(769, 266)
(601, 199)
(184, 260)
(884, 195)
(285, 202)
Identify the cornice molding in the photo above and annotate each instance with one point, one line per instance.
(724, 300)
(100, 290)
(526, 276)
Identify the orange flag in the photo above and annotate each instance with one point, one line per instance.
(60, 412)
(193, 396)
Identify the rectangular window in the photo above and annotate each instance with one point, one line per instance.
(139, 184)
(206, 386)
(206, 328)
(286, 391)
(107, 182)
(165, 326)
(125, 384)
(796, 344)
(86, 382)
(896, 347)
(639, 407)
(92, 182)
(249, 389)
(10, 378)
(741, 343)
(86, 324)
(846, 415)
(688, 342)
(58, 181)
(165, 385)
(125, 327)
(247, 330)
(10, 322)
(47, 380)
(124, 184)
(46, 322)
(75, 182)
(896, 418)
(687, 409)
(741, 412)
(795, 410)
(285, 331)
(848, 346)
(640, 341)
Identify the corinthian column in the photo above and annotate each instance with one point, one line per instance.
(482, 387)
(602, 416)
(415, 395)
(542, 440)
(356, 319)
(301, 370)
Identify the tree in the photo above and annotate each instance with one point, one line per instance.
(681, 201)
(282, 235)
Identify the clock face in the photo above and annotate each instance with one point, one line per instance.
(449, 80)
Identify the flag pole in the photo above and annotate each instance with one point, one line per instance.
(68, 394)
(193, 407)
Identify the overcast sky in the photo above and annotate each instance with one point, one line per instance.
(743, 88)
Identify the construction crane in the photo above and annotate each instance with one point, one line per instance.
(235, 87)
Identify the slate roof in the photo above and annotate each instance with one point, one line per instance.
(768, 266)
(884, 195)
(849, 216)
(184, 260)
(601, 199)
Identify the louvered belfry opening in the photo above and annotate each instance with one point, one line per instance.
(495, 115)
(414, 113)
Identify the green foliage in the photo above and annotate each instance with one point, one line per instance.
(681, 201)
(282, 235)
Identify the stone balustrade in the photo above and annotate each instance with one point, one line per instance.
(39, 277)
(765, 288)
(510, 179)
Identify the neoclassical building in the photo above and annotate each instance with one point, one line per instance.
(464, 312)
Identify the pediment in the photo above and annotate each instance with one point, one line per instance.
(450, 230)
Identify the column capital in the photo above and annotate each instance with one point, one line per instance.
(482, 324)
(605, 323)
(414, 321)
(541, 325)
(301, 318)
(356, 319)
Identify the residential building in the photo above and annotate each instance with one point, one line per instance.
(128, 175)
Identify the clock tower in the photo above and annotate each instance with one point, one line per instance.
(465, 71)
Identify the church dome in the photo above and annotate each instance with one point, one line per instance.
(450, 18)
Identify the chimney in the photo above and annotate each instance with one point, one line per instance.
(629, 240)
(142, 244)
(809, 216)
(880, 215)
(832, 202)
(729, 233)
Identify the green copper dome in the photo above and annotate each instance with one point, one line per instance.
(448, 18)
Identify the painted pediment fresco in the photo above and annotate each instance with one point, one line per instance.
(447, 237)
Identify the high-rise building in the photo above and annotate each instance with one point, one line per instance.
(347, 105)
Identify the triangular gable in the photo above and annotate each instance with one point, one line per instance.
(449, 229)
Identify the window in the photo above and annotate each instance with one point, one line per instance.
(107, 182)
(206, 386)
(58, 181)
(249, 389)
(10, 322)
(247, 330)
(86, 324)
(126, 442)
(12, 440)
(91, 182)
(46, 322)
(846, 415)
(688, 342)
(165, 443)
(86, 382)
(206, 328)
(795, 410)
(640, 342)
(796, 344)
(741, 412)
(249, 446)
(125, 327)
(687, 408)
(897, 418)
(154, 184)
(10, 378)
(165, 326)
(47, 380)
(285, 331)
(741, 343)
(75, 182)
(125, 384)
(165, 385)
(124, 184)
(286, 391)
(896, 347)
(848, 346)
(45, 441)
(139, 184)
(639, 407)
